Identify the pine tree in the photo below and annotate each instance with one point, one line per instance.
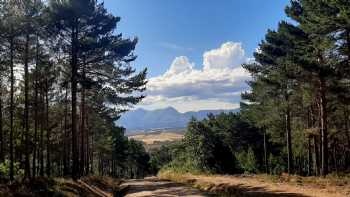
(275, 75)
(9, 33)
(316, 56)
(97, 57)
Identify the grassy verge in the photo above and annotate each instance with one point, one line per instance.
(312, 181)
(263, 185)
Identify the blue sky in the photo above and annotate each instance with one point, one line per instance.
(180, 32)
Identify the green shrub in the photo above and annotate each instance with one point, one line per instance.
(5, 168)
(247, 161)
(160, 158)
(276, 164)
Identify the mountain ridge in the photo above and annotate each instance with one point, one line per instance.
(141, 119)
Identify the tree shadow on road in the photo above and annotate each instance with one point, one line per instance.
(159, 188)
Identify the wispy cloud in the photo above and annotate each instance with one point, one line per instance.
(175, 47)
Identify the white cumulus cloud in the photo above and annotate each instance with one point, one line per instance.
(217, 84)
(229, 55)
(180, 65)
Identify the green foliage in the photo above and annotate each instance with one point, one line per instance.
(129, 156)
(299, 91)
(160, 157)
(300, 88)
(5, 168)
(247, 161)
(138, 159)
(210, 146)
(75, 63)
(276, 164)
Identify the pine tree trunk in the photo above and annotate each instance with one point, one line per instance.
(20, 151)
(309, 159)
(289, 141)
(82, 138)
(66, 135)
(265, 153)
(38, 160)
(347, 134)
(87, 156)
(2, 156)
(35, 143)
(82, 127)
(324, 134)
(12, 81)
(26, 107)
(310, 124)
(62, 153)
(42, 134)
(92, 154)
(335, 165)
(48, 141)
(317, 158)
(74, 67)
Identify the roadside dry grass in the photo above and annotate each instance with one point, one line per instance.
(61, 187)
(264, 185)
(70, 188)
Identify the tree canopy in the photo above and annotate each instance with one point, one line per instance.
(67, 76)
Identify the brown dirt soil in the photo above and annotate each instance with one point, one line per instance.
(263, 186)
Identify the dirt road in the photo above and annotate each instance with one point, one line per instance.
(153, 187)
(235, 186)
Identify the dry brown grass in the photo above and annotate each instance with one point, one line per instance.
(152, 138)
(263, 185)
(70, 188)
(107, 184)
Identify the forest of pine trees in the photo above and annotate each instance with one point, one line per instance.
(301, 84)
(65, 79)
(296, 116)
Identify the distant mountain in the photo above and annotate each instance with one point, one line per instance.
(167, 118)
